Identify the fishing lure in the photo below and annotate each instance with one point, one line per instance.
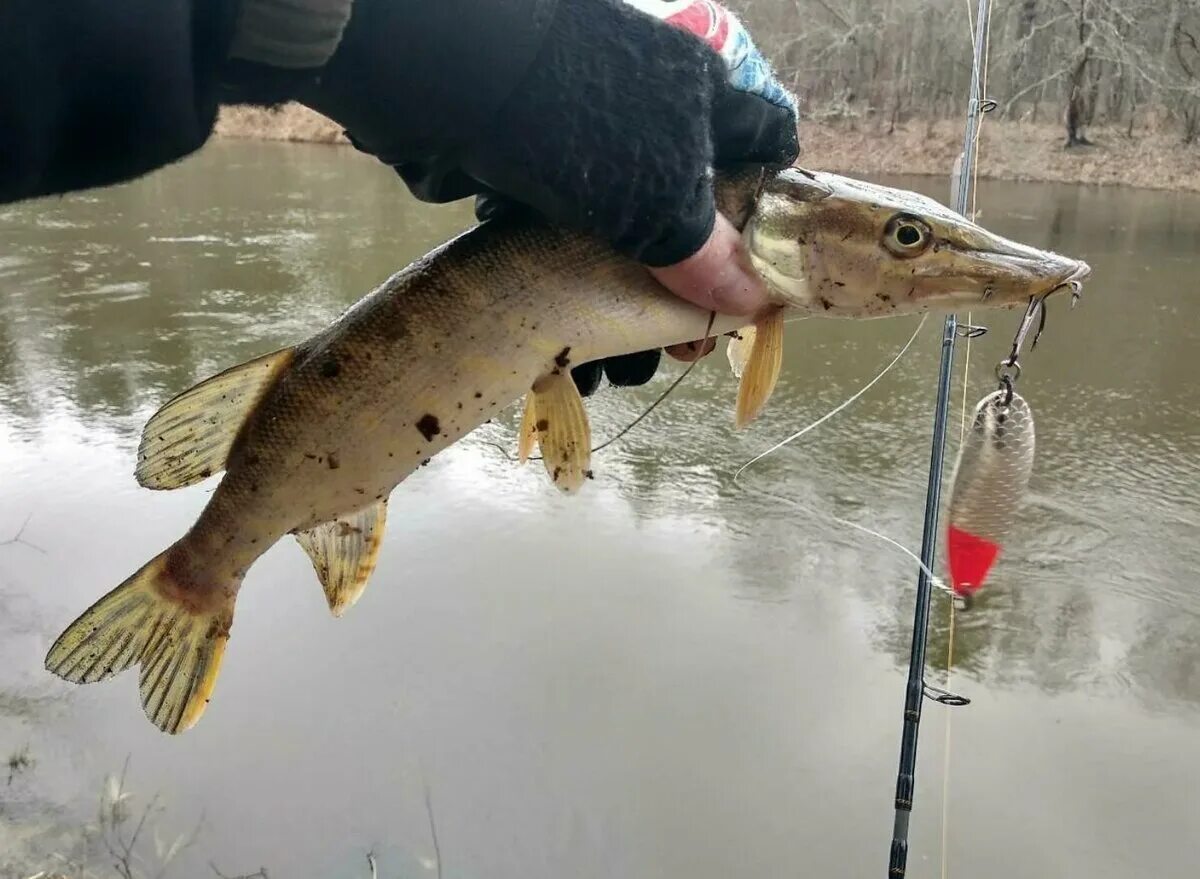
(991, 477)
(993, 468)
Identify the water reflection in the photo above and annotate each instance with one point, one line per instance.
(113, 302)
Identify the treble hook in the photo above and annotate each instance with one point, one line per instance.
(1008, 370)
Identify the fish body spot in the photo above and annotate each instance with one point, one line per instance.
(334, 463)
(429, 426)
(330, 368)
(561, 359)
(543, 425)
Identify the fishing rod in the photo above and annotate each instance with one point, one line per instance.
(917, 690)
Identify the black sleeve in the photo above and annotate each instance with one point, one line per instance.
(94, 92)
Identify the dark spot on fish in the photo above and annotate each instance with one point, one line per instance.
(826, 304)
(460, 405)
(253, 540)
(562, 359)
(391, 454)
(330, 368)
(884, 297)
(254, 488)
(838, 284)
(378, 497)
(849, 234)
(589, 474)
(428, 425)
(426, 461)
(555, 371)
(310, 456)
(542, 425)
(361, 490)
(557, 471)
(251, 459)
(205, 473)
(801, 239)
(478, 395)
(334, 463)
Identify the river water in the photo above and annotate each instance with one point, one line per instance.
(668, 675)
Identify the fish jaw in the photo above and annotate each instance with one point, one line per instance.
(839, 247)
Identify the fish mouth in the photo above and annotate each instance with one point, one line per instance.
(1073, 282)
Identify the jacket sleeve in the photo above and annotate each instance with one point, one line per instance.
(95, 93)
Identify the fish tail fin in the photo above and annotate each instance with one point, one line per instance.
(176, 635)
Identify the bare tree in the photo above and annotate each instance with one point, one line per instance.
(1127, 63)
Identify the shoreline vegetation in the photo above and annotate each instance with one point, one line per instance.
(1009, 150)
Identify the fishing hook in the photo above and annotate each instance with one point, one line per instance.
(1008, 370)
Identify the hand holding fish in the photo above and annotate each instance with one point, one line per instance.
(670, 91)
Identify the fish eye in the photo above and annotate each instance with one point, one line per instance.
(906, 235)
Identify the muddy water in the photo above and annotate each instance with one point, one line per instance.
(670, 675)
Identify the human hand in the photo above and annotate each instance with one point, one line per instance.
(752, 118)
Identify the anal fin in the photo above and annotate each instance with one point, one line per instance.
(761, 369)
(343, 552)
(563, 433)
(189, 438)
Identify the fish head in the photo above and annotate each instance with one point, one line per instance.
(834, 246)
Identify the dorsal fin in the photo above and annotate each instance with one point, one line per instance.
(189, 438)
(344, 551)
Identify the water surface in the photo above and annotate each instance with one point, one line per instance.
(669, 675)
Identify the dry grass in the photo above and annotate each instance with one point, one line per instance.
(1009, 150)
(291, 122)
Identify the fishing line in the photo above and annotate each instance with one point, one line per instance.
(934, 579)
(962, 432)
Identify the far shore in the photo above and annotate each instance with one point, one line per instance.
(1008, 150)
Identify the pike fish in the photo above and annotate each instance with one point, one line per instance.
(313, 438)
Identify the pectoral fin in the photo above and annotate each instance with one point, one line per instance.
(761, 369)
(344, 551)
(738, 349)
(527, 437)
(561, 426)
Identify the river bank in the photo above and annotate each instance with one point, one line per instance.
(1009, 150)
